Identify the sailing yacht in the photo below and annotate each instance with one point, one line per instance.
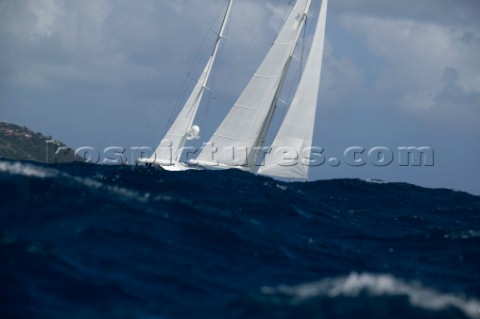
(240, 139)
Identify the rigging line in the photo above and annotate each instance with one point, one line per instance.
(285, 14)
(171, 91)
(194, 61)
(239, 60)
(209, 98)
(221, 16)
(193, 65)
(214, 77)
(206, 49)
(163, 101)
(247, 49)
(286, 11)
(287, 102)
(304, 42)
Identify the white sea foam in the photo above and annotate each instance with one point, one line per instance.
(31, 170)
(117, 191)
(467, 234)
(26, 169)
(375, 181)
(378, 285)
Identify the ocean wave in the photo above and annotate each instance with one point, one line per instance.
(121, 193)
(196, 244)
(467, 234)
(31, 170)
(377, 285)
(26, 169)
(375, 181)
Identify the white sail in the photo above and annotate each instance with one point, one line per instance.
(170, 149)
(245, 126)
(294, 139)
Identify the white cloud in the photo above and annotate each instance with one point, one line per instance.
(416, 56)
(120, 41)
(47, 13)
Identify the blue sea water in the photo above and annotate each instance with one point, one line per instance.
(85, 241)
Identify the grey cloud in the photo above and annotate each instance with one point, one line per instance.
(413, 55)
(444, 12)
(460, 105)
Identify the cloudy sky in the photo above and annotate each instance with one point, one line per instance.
(110, 73)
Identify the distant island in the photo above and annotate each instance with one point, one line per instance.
(23, 144)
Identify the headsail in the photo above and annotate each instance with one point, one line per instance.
(170, 149)
(296, 131)
(245, 126)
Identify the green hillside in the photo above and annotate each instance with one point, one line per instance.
(23, 144)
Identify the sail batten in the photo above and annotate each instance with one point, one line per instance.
(296, 132)
(245, 125)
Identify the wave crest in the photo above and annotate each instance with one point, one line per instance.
(25, 169)
(378, 285)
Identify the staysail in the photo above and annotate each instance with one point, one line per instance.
(170, 149)
(294, 139)
(236, 141)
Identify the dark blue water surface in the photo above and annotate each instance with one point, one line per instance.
(84, 241)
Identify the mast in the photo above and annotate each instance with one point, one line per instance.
(245, 126)
(296, 131)
(170, 149)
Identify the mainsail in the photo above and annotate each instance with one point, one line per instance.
(296, 132)
(170, 149)
(238, 139)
